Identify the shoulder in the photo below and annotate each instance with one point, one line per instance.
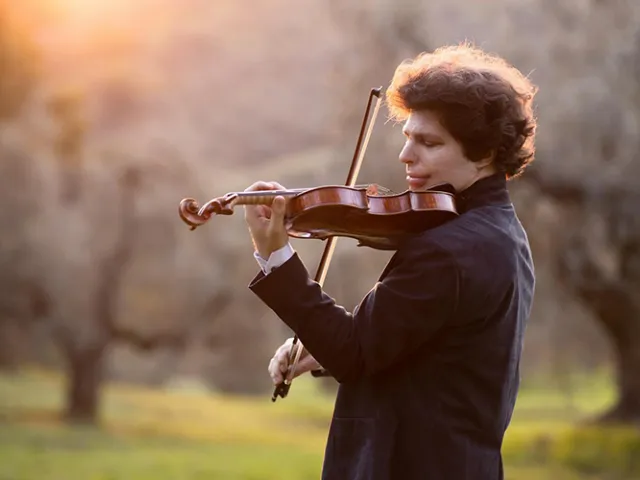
(490, 232)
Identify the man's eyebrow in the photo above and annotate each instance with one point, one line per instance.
(409, 132)
(419, 134)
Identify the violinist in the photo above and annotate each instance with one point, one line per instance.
(428, 362)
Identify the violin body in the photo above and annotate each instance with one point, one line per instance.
(376, 221)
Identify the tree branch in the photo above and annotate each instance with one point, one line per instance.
(558, 188)
(177, 340)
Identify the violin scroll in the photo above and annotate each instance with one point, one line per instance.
(193, 215)
(188, 210)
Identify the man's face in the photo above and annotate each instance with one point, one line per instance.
(432, 156)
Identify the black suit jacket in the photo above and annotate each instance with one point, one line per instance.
(428, 363)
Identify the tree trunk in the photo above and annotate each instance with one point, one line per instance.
(617, 310)
(85, 375)
(86, 362)
(612, 297)
(10, 345)
(627, 407)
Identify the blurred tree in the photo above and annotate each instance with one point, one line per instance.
(74, 272)
(21, 298)
(596, 183)
(85, 359)
(600, 261)
(86, 328)
(68, 144)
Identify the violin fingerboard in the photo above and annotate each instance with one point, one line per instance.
(255, 200)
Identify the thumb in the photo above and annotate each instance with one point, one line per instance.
(278, 208)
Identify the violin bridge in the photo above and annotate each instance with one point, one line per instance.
(375, 189)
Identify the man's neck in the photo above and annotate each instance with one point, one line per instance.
(482, 173)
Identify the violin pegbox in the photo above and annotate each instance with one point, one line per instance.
(219, 206)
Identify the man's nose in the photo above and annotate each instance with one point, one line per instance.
(406, 154)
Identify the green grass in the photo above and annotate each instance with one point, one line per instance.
(63, 454)
(147, 434)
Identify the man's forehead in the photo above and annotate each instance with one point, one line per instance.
(423, 123)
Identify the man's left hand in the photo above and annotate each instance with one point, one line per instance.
(266, 223)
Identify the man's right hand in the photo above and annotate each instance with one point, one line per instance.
(280, 361)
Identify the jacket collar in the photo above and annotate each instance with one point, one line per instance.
(491, 190)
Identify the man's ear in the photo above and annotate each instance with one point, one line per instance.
(486, 160)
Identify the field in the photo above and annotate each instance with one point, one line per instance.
(190, 434)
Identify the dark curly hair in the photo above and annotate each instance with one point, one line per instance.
(482, 101)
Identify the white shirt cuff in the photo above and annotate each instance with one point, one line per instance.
(276, 258)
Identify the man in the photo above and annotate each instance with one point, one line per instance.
(428, 363)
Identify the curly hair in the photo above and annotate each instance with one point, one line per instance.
(483, 102)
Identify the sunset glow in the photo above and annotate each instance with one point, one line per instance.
(83, 17)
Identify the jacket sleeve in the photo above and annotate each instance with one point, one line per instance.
(398, 315)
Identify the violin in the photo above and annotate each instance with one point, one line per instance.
(370, 214)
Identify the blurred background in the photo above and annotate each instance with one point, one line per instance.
(131, 347)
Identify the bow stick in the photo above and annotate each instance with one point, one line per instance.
(282, 389)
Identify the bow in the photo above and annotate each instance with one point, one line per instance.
(282, 389)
